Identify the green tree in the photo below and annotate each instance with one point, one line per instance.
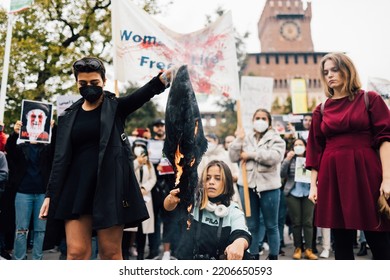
(228, 116)
(46, 39)
(287, 108)
(313, 105)
(276, 107)
(143, 117)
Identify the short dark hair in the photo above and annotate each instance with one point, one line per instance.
(212, 136)
(89, 65)
(158, 122)
(140, 142)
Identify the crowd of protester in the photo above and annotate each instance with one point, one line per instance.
(278, 172)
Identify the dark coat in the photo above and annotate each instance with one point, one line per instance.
(117, 199)
(17, 157)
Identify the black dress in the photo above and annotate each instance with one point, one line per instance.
(78, 194)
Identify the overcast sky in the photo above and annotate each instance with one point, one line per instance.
(361, 28)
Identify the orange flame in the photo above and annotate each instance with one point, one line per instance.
(178, 157)
(196, 128)
(179, 168)
(188, 220)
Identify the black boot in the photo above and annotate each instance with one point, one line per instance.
(255, 257)
(272, 257)
(152, 255)
(140, 256)
(363, 249)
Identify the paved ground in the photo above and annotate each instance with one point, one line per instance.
(289, 249)
(288, 252)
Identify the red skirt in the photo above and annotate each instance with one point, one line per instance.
(349, 179)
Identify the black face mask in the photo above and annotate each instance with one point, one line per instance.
(91, 93)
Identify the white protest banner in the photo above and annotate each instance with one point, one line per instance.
(381, 86)
(19, 5)
(143, 46)
(64, 101)
(256, 92)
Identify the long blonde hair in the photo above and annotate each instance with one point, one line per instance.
(227, 181)
(348, 72)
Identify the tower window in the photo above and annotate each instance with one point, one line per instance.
(277, 59)
(267, 59)
(296, 59)
(286, 58)
(257, 59)
(305, 58)
(315, 59)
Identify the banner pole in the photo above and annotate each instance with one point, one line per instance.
(243, 167)
(4, 79)
(116, 88)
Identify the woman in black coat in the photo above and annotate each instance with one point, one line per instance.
(92, 185)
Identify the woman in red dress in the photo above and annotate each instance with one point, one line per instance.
(348, 175)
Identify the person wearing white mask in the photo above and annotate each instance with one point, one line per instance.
(300, 208)
(263, 151)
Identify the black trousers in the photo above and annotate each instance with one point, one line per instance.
(344, 239)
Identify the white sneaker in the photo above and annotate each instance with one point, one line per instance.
(54, 250)
(133, 251)
(325, 254)
(261, 252)
(166, 255)
(266, 246)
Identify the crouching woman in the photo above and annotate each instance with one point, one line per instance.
(218, 229)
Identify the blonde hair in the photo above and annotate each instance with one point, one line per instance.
(226, 179)
(348, 73)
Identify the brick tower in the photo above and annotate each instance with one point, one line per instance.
(287, 50)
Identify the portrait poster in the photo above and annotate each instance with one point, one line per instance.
(36, 118)
(301, 173)
(281, 123)
(303, 127)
